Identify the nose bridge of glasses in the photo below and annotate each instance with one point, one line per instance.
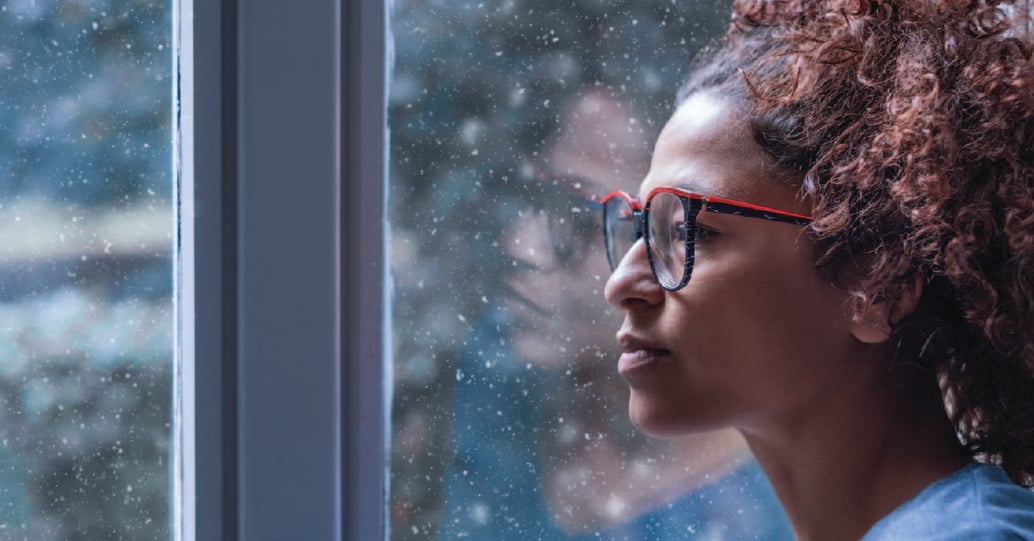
(639, 221)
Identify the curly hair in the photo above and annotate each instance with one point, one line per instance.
(911, 123)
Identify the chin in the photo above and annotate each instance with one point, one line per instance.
(661, 419)
(654, 419)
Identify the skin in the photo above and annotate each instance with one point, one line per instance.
(759, 341)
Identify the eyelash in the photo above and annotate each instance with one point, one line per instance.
(703, 233)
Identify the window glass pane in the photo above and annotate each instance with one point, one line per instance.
(510, 420)
(85, 269)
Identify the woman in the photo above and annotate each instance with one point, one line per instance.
(572, 470)
(870, 330)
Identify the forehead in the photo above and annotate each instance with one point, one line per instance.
(707, 147)
(601, 143)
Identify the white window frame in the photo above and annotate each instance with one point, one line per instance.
(282, 386)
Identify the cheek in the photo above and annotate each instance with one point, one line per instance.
(573, 296)
(585, 307)
(574, 290)
(775, 276)
(763, 312)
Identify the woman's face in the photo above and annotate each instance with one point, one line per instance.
(755, 335)
(560, 316)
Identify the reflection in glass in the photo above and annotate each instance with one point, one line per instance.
(509, 420)
(85, 269)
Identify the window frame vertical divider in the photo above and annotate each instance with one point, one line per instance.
(366, 60)
(283, 386)
(204, 115)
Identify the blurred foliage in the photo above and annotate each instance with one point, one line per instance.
(479, 90)
(85, 99)
(85, 331)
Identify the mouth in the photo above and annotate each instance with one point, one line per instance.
(638, 355)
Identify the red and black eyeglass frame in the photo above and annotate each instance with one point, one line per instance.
(692, 204)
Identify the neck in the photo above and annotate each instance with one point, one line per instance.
(852, 456)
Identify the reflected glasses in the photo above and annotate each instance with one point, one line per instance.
(667, 224)
(572, 216)
(573, 226)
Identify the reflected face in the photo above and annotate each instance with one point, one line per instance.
(557, 300)
(755, 334)
(560, 315)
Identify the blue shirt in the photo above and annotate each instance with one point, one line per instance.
(977, 503)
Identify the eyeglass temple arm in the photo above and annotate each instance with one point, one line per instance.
(737, 208)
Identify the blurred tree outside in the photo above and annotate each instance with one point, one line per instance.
(478, 91)
(86, 226)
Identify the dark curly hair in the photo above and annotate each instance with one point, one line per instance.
(911, 123)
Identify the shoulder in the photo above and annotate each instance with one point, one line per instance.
(978, 502)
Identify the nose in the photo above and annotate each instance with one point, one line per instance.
(632, 283)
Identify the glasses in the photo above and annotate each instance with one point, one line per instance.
(667, 224)
(572, 217)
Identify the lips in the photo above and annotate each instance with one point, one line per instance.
(638, 354)
(525, 302)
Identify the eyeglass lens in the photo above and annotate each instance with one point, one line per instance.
(573, 226)
(670, 235)
(619, 229)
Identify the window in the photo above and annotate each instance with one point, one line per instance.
(509, 420)
(180, 182)
(297, 348)
(86, 283)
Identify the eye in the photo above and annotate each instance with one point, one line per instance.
(704, 234)
(679, 230)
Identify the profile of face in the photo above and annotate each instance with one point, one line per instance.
(753, 337)
(557, 299)
(562, 322)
